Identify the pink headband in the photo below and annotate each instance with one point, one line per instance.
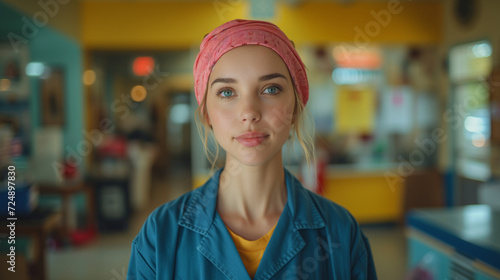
(241, 32)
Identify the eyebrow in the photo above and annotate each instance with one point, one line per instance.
(223, 80)
(272, 76)
(261, 78)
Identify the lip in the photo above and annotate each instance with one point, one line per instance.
(252, 139)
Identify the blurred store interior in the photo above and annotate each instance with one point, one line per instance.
(97, 118)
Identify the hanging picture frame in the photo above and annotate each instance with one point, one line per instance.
(52, 97)
(13, 79)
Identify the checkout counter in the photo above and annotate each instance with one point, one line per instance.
(455, 243)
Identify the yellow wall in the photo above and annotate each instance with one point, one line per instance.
(416, 22)
(157, 25)
(147, 25)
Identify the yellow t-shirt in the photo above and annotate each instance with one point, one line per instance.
(251, 251)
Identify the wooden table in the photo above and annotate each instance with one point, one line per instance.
(36, 225)
(65, 190)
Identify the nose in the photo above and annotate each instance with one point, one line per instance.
(250, 111)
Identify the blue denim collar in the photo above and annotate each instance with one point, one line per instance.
(201, 209)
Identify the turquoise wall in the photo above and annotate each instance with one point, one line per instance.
(52, 48)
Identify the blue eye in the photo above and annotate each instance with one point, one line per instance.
(226, 93)
(272, 90)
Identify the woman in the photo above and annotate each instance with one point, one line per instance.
(252, 219)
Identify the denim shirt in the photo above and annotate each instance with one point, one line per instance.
(313, 239)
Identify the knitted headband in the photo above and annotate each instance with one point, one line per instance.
(238, 33)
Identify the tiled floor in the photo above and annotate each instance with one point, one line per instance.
(107, 257)
(388, 245)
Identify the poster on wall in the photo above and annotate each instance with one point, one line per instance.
(355, 109)
(13, 79)
(396, 110)
(52, 97)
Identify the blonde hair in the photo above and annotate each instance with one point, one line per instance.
(303, 122)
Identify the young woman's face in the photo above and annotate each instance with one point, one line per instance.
(250, 104)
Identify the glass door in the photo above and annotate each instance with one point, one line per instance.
(469, 117)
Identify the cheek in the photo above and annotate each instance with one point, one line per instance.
(221, 121)
(281, 116)
(214, 113)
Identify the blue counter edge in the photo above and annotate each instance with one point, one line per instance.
(461, 246)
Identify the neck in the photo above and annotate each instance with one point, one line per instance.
(252, 193)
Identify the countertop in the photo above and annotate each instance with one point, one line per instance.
(473, 230)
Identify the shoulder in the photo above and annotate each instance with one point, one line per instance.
(157, 239)
(342, 228)
(162, 221)
(170, 212)
(193, 210)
